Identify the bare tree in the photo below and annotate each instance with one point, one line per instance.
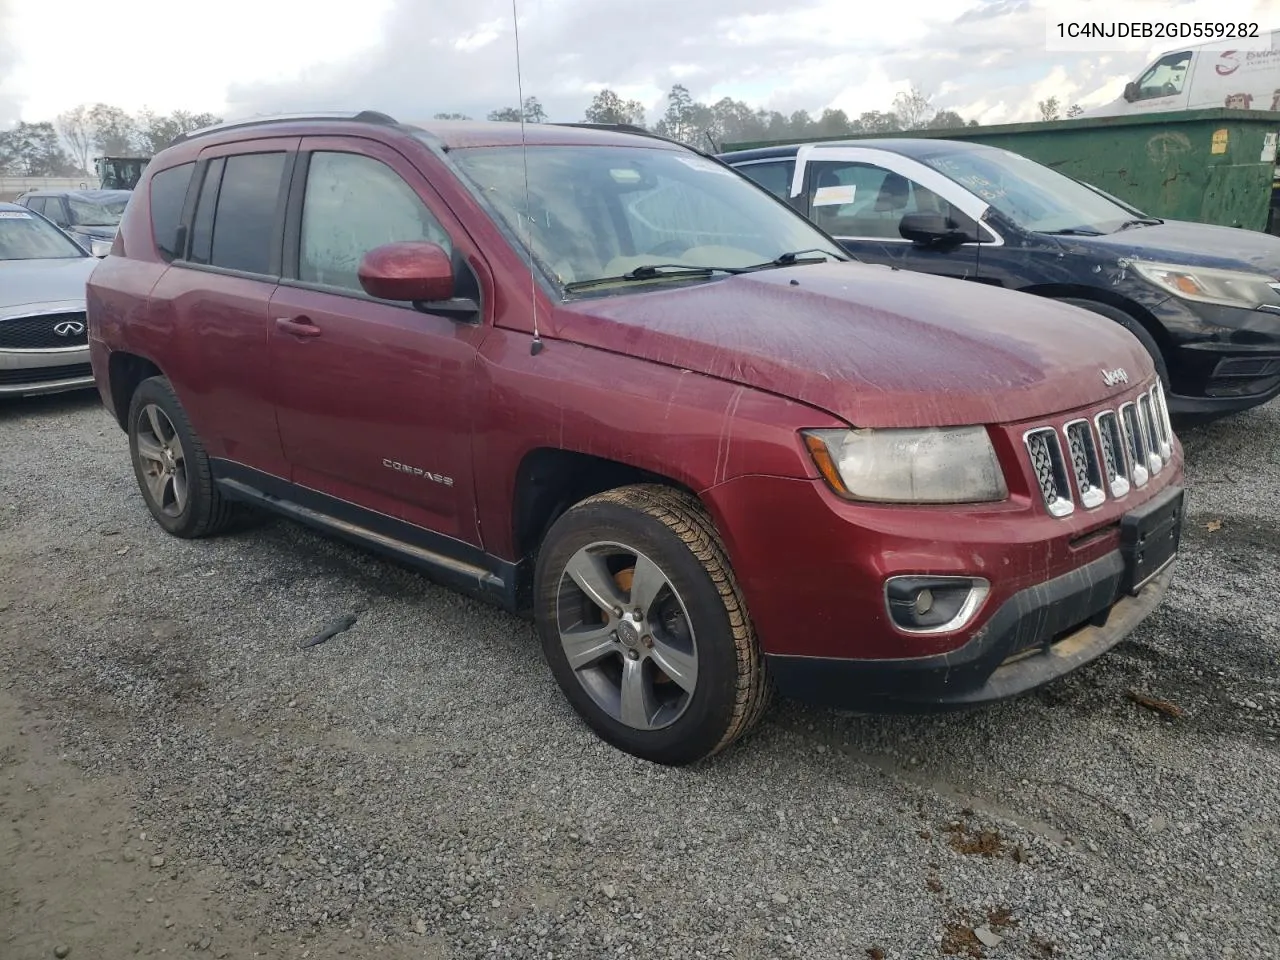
(76, 130)
(914, 110)
(1074, 110)
(1049, 109)
(114, 131)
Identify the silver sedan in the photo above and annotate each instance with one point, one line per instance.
(44, 344)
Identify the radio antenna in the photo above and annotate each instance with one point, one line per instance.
(536, 346)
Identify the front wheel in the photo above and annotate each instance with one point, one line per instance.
(644, 627)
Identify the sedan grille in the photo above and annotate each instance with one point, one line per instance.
(1085, 462)
(47, 332)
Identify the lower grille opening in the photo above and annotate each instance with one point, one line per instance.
(71, 371)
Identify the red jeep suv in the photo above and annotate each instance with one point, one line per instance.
(602, 379)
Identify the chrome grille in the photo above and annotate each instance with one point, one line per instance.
(1150, 432)
(1084, 463)
(1114, 461)
(1163, 423)
(1050, 470)
(1135, 444)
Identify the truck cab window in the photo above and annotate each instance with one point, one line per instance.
(1166, 77)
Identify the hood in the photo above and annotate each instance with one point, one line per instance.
(1189, 244)
(28, 284)
(873, 345)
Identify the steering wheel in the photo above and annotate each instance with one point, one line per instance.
(1169, 90)
(666, 248)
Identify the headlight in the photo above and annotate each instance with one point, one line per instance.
(928, 465)
(1232, 288)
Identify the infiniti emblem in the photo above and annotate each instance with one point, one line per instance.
(68, 328)
(1112, 377)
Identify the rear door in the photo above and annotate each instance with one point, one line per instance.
(375, 399)
(215, 297)
(859, 195)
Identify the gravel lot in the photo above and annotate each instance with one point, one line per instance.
(177, 774)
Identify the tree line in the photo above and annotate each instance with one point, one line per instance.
(66, 146)
(727, 120)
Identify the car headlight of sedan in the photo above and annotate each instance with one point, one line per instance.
(918, 465)
(1231, 288)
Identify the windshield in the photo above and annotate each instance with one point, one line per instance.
(98, 211)
(1031, 195)
(600, 211)
(24, 236)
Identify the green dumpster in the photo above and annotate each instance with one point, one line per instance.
(1210, 166)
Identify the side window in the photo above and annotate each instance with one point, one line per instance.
(168, 194)
(353, 204)
(774, 176)
(1165, 78)
(245, 217)
(862, 200)
(53, 210)
(202, 227)
(33, 203)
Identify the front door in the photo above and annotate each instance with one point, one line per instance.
(859, 195)
(374, 399)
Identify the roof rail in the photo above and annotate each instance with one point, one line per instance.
(364, 116)
(632, 128)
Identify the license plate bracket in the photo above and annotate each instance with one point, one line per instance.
(1149, 538)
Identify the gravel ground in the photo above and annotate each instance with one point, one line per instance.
(418, 787)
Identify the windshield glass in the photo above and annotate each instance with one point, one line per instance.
(1031, 195)
(97, 211)
(24, 236)
(602, 211)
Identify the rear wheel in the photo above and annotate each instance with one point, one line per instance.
(644, 627)
(171, 466)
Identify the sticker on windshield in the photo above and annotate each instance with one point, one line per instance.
(834, 196)
(697, 163)
(14, 215)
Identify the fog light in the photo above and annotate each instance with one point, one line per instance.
(934, 604)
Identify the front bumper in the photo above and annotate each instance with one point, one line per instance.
(25, 373)
(1225, 359)
(1038, 635)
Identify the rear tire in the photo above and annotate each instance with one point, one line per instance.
(1133, 326)
(171, 465)
(665, 664)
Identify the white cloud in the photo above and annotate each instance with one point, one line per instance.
(984, 58)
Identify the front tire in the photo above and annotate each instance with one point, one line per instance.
(645, 628)
(1133, 326)
(171, 465)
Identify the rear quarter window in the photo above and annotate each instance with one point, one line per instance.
(168, 195)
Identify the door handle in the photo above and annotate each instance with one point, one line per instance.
(297, 326)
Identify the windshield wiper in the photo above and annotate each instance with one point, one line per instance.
(792, 257)
(1139, 222)
(653, 271)
(1073, 232)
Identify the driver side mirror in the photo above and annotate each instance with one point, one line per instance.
(1131, 91)
(933, 230)
(417, 272)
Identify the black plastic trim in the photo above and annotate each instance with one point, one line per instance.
(453, 563)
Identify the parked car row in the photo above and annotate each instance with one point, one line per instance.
(606, 382)
(90, 217)
(1203, 300)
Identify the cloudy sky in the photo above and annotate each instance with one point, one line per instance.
(986, 59)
